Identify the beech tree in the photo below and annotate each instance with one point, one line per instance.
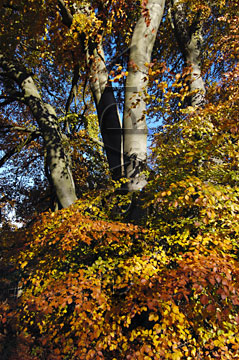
(126, 146)
(71, 38)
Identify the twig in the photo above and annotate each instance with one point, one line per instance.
(17, 148)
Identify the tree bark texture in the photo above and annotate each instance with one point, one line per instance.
(135, 128)
(57, 158)
(190, 43)
(107, 108)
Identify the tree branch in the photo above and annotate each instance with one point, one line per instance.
(18, 148)
(7, 102)
(105, 101)
(10, 99)
(73, 91)
(67, 17)
(19, 128)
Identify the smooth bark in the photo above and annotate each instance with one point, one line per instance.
(106, 105)
(135, 128)
(107, 109)
(57, 159)
(190, 43)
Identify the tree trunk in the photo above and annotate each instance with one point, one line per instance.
(135, 128)
(190, 43)
(193, 60)
(57, 159)
(107, 109)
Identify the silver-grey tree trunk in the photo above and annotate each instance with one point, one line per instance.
(135, 127)
(105, 102)
(57, 158)
(190, 43)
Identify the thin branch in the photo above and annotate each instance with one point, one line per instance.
(73, 91)
(10, 99)
(19, 128)
(32, 48)
(17, 148)
(85, 104)
(118, 56)
(7, 102)
(10, 6)
(67, 19)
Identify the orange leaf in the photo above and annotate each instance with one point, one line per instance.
(204, 299)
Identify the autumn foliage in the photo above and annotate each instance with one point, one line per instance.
(97, 289)
(167, 289)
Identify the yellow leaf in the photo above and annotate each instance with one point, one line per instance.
(153, 317)
(23, 264)
(177, 355)
(175, 309)
(193, 351)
